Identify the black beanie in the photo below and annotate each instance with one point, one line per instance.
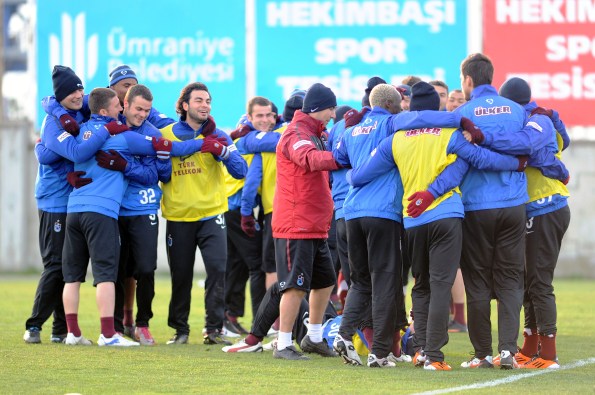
(517, 90)
(341, 110)
(424, 97)
(372, 82)
(274, 108)
(65, 82)
(293, 103)
(318, 98)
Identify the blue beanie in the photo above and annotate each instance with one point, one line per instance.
(65, 82)
(120, 73)
(319, 98)
(517, 90)
(424, 97)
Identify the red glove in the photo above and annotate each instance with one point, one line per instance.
(214, 146)
(74, 178)
(249, 225)
(116, 127)
(112, 161)
(476, 134)
(162, 147)
(522, 162)
(353, 117)
(209, 126)
(567, 180)
(70, 125)
(543, 111)
(420, 201)
(241, 131)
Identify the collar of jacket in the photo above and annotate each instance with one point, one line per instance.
(483, 90)
(310, 123)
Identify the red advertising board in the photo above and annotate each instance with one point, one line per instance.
(549, 43)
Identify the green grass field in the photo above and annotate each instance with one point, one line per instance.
(196, 368)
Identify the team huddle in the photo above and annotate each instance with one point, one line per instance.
(467, 190)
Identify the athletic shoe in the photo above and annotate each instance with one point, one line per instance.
(520, 358)
(178, 339)
(129, 331)
(419, 358)
(215, 337)
(320, 348)
(242, 346)
(32, 335)
(54, 338)
(478, 363)
(401, 358)
(375, 362)
(438, 365)
(289, 353)
(116, 340)
(346, 350)
(72, 340)
(540, 363)
(143, 336)
(456, 327)
(270, 346)
(507, 360)
(231, 323)
(272, 332)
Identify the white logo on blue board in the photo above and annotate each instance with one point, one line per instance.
(74, 48)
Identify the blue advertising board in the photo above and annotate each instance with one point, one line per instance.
(343, 43)
(168, 44)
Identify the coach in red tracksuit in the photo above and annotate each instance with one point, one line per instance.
(302, 212)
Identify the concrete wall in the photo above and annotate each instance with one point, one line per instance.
(19, 248)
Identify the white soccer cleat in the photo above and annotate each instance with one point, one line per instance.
(116, 341)
(72, 340)
(242, 346)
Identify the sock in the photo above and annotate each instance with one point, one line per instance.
(276, 325)
(232, 318)
(128, 318)
(315, 332)
(107, 327)
(548, 347)
(459, 314)
(72, 322)
(284, 340)
(530, 342)
(252, 340)
(369, 335)
(397, 344)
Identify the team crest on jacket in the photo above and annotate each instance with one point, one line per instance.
(87, 135)
(57, 226)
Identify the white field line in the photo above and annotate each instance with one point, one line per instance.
(510, 379)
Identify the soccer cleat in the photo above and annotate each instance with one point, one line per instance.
(54, 338)
(346, 350)
(438, 365)
(178, 339)
(520, 358)
(456, 327)
(215, 337)
(419, 358)
(143, 336)
(478, 363)
(507, 360)
(375, 362)
(242, 346)
(72, 340)
(116, 341)
(130, 331)
(32, 335)
(401, 358)
(270, 346)
(289, 353)
(540, 363)
(320, 348)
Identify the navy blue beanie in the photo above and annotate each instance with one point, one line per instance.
(65, 82)
(120, 73)
(424, 97)
(319, 98)
(295, 102)
(517, 90)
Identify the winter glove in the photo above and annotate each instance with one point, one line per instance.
(522, 162)
(214, 146)
(162, 147)
(353, 117)
(74, 178)
(249, 225)
(209, 126)
(476, 134)
(241, 131)
(567, 180)
(420, 201)
(70, 125)
(112, 161)
(116, 127)
(543, 111)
